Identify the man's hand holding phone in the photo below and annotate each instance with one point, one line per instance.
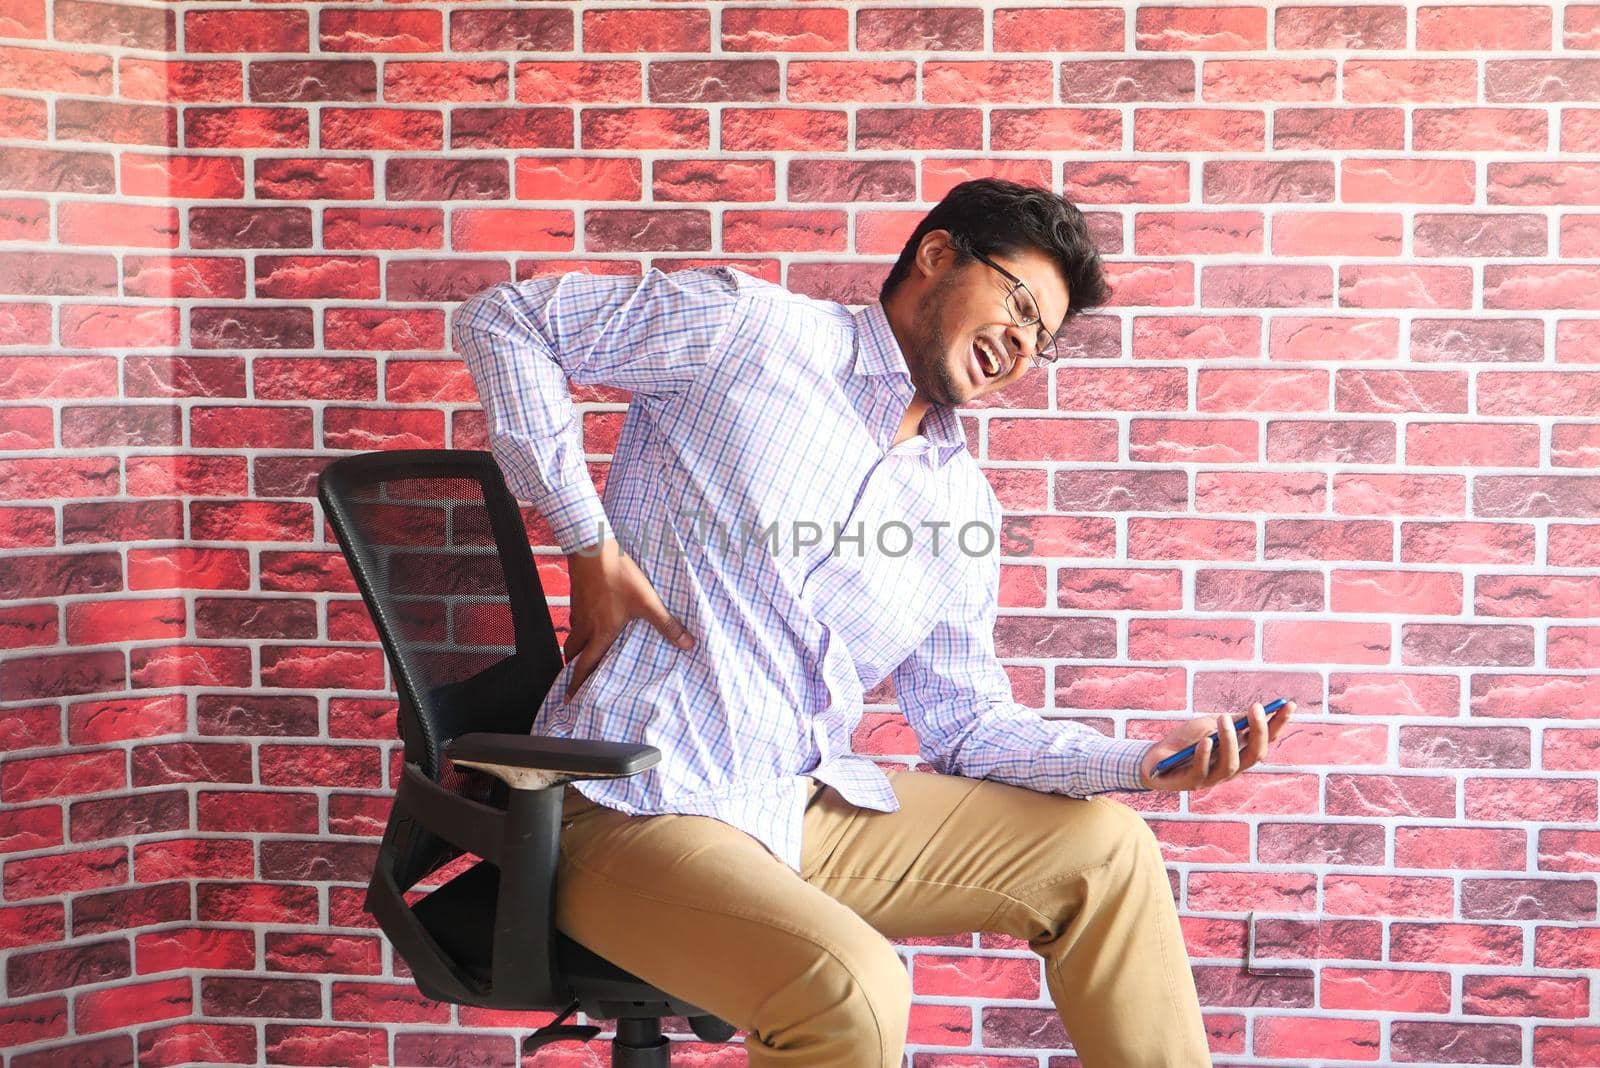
(1220, 747)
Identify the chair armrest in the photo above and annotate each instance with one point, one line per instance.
(533, 762)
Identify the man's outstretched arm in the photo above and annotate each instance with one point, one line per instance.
(957, 697)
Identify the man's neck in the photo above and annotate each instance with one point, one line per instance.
(911, 425)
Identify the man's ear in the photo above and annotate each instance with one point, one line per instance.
(934, 252)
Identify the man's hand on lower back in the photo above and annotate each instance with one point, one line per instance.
(1231, 757)
(608, 589)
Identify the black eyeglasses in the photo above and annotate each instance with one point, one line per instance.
(1024, 310)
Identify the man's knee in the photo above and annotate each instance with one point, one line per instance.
(852, 1006)
(1110, 835)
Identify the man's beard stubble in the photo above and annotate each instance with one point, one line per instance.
(930, 366)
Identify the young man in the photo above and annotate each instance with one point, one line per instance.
(792, 516)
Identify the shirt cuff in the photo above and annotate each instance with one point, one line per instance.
(576, 517)
(1115, 765)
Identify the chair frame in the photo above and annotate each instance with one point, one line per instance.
(534, 966)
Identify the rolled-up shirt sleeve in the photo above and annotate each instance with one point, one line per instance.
(522, 343)
(957, 697)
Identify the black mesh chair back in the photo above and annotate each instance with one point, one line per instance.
(441, 556)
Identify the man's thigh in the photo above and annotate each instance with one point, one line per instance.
(705, 912)
(961, 854)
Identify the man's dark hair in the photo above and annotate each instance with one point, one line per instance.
(992, 215)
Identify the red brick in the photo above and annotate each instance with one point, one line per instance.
(1131, 182)
(304, 667)
(122, 426)
(229, 427)
(123, 124)
(927, 28)
(239, 617)
(645, 31)
(648, 128)
(383, 429)
(24, 18)
(191, 666)
(186, 376)
(189, 948)
(512, 229)
(27, 1023)
(256, 902)
(447, 179)
(1339, 128)
(1408, 592)
(125, 620)
(834, 81)
(128, 1005)
(1196, 130)
(1349, 27)
(29, 728)
(498, 30)
(41, 70)
(24, 118)
(1267, 181)
(1422, 81)
(28, 428)
(578, 82)
(190, 858)
(252, 227)
(183, 177)
(1467, 28)
(1217, 29)
(566, 177)
(442, 280)
(24, 324)
(1479, 129)
(254, 997)
(62, 873)
(123, 718)
(1337, 233)
(1212, 639)
(382, 128)
(445, 81)
(382, 330)
(180, 81)
(24, 219)
(122, 225)
(1330, 442)
(160, 476)
(231, 30)
(1500, 543)
(302, 572)
(1330, 539)
(28, 528)
(361, 228)
(1466, 645)
(1472, 445)
(305, 1044)
(302, 81)
(136, 326)
(314, 179)
(58, 274)
(359, 30)
(269, 813)
(238, 127)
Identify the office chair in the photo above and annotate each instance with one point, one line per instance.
(440, 554)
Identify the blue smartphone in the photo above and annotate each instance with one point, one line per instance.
(1242, 724)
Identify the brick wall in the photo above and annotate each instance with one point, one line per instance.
(1336, 440)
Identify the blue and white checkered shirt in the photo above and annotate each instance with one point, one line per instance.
(757, 486)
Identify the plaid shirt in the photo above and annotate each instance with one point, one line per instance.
(757, 486)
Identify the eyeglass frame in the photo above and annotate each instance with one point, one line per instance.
(1017, 283)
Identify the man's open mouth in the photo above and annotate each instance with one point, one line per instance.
(988, 359)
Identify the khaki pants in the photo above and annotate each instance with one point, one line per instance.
(802, 961)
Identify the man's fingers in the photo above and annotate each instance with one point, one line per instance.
(583, 666)
(1256, 747)
(667, 624)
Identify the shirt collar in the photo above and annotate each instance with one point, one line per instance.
(878, 355)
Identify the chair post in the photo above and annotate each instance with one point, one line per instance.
(640, 1044)
(524, 922)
